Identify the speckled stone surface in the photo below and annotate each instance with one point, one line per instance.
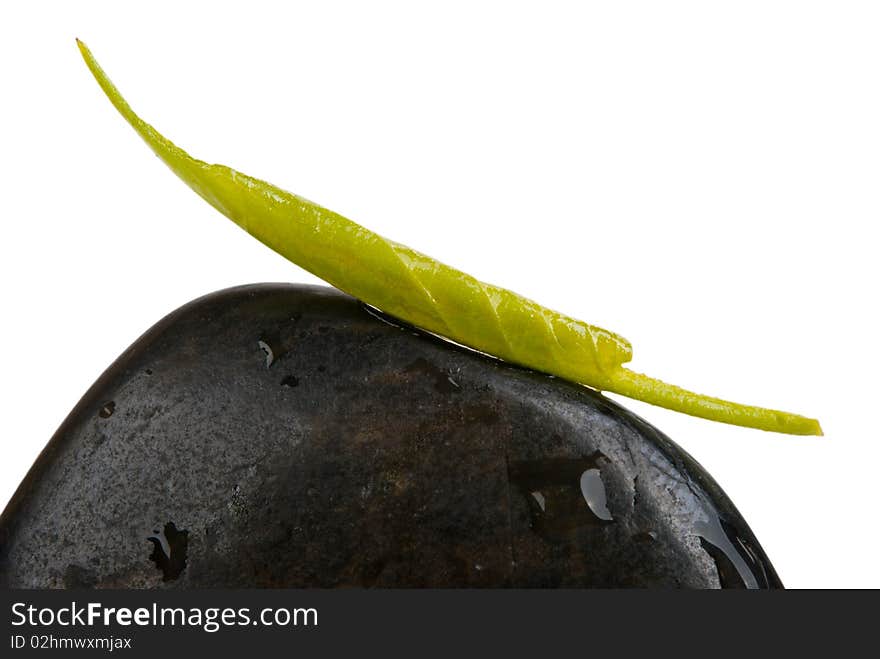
(287, 436)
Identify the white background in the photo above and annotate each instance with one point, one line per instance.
(699, 177)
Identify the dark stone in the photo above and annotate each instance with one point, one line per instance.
(280, 435)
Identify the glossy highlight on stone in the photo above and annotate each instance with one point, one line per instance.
(288, 436)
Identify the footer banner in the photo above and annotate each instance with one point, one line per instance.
(536, 623)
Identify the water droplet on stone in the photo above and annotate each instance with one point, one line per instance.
(565, 494)
(107, 410)
(593, 490)
(645, 536)
(736, 563)
(542, 502)
(169, 551)
(270, 354)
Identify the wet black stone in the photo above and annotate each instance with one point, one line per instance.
(396, 460)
